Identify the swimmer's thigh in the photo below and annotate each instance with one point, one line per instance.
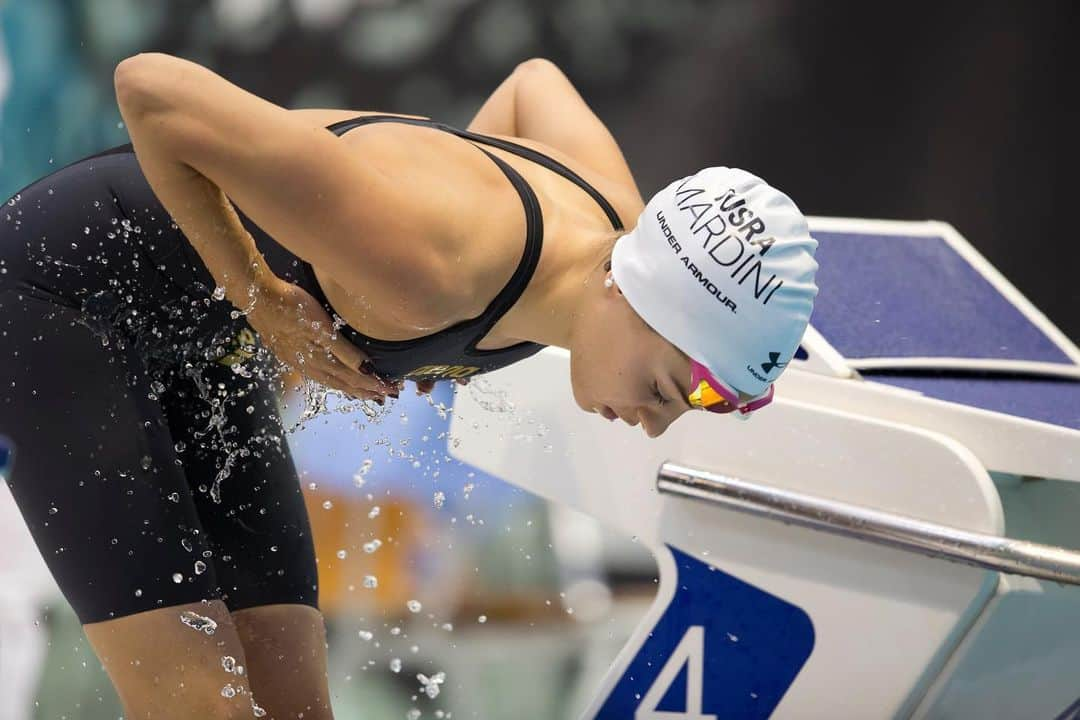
(96, 483)
(94, 476)
(244, 484)
(250, 503)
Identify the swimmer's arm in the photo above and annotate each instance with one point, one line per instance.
(203, 142)
(204, 215)
(538, 102)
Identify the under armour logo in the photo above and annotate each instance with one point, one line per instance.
(768, 367)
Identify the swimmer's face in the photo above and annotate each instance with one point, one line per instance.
(621, 368)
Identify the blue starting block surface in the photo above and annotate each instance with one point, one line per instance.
(888, 300)
(896, 296)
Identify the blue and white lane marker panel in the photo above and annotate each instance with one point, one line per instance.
(722, 648)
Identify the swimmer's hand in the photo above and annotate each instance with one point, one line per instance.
(424, 387)
(294, 326)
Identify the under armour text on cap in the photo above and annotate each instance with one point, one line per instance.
(722, 265)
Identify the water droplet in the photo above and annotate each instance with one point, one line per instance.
(219, 293)
(439, 499)
(200, 567)
(342, 554)
(395, 665)
(371, 582)
(327, 504)
(430, 685)
(482, 619)
(358, 477)
(177, 578)
(414, 606)
(228, 691)
(366, 635)
(138, 592)
(374, 513)
(228, 664)
(372, 545)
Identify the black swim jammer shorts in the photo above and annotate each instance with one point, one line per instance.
(152, 467)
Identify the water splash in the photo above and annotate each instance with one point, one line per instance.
(489, 397)
(198, 622)
(430, 685)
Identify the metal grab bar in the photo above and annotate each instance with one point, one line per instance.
(1017, 557)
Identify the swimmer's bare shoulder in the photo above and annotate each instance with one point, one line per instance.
(446, 292)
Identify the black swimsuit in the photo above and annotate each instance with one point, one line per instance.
(152, 464)
(452, 352)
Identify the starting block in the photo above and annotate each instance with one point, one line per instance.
(844, 553)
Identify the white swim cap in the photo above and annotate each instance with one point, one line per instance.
(722, 265)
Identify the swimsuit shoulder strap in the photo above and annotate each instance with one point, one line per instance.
(479, 326)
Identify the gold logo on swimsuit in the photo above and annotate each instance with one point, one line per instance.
(243, 347)
(451, 371)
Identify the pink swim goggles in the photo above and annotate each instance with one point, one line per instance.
(709, 393)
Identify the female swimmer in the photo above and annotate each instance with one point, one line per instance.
(146, 292)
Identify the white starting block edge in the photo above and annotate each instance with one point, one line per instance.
(1003, 443)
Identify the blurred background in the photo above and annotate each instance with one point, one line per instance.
(954, 111)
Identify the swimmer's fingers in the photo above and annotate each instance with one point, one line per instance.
(349, 361)
(346, 353)
(352, 359)
(341, 377)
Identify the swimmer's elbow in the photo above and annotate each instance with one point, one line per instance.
(137, 80)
